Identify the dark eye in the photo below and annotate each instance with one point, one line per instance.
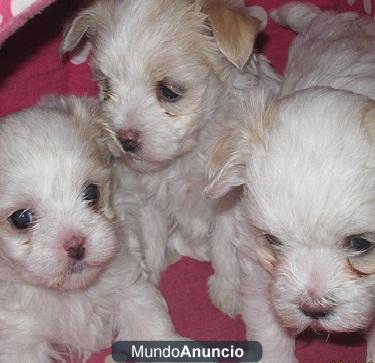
(274, 241)
(22, 219)
(360, 244)
(169, 93)
(91, 194)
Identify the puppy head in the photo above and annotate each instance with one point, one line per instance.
(309, 207)
(55, 221)
(162, 67)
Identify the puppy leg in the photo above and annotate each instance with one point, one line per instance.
(154, 228)
(296, 16)
(145, 232)
(183, 244)
(261, 324)
(224, 284)
(143, 314)
(371, 345)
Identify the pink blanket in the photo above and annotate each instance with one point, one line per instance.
(30, 67)
(15, 13)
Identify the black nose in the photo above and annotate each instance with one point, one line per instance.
(315, 313)
(130, 146)
(76, 252)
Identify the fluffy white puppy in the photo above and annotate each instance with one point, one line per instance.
(169, 70)
(66, 285)
(306, 235)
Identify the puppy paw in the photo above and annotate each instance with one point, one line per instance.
(259, 13)
(224, 296)
(370, 355)
(172, 256)
(295, 15)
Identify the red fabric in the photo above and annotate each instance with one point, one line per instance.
(30, 66)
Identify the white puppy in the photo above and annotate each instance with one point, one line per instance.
(66, 285)
(306, 235)
(169, 70)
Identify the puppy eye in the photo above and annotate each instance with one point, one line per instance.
(360, 244)
(169, 93)
(22, 219)
(274, 241)
(91, 194)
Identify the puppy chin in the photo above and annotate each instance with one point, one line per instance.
(335, 324)
(74, 276)
(80, 277)
(296, 323)
(144, 166)
(344, 319)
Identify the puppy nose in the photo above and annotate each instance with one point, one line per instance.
(130, 140)
(75, 247)
(315, 312)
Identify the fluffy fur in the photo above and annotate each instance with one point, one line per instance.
(305, 237)
(50, 303)
(200, 50)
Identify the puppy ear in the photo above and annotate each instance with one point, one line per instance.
(227, 162)
(231, 152)
(85, 24)
(86, 113)
(365, 264)
(234, 31)
(75, 32)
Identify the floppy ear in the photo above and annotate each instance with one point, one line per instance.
(365, 264)
(234, 31)
(227, 163)
(232, 150)
(86, 113)
(85, 24)
(76, 31)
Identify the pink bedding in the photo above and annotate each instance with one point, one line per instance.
(30, 66)
(15, 13)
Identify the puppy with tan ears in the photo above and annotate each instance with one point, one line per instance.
(169, 70)
(67, 285)
(306, 231)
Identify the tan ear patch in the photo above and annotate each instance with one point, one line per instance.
(75, 32)
(222, 149)
(234, 32)
(234, 144)
(226, 164)
(85, 24)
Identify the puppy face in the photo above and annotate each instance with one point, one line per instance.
(159, 68)
(310, 208)
(55, 222)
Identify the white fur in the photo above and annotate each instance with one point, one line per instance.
(306, 162)
(161, 187)
(48, 155)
